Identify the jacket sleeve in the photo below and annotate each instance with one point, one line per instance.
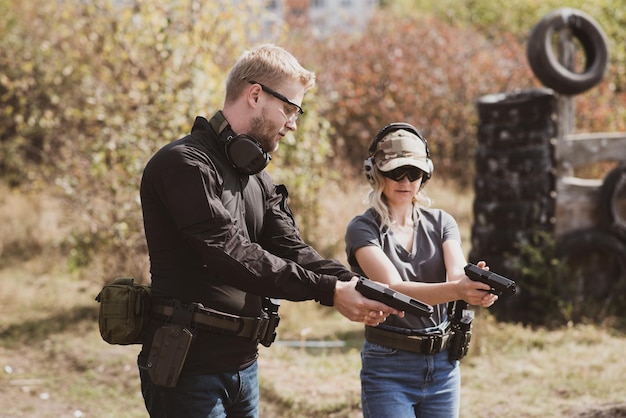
(192, 194)
(282, 237)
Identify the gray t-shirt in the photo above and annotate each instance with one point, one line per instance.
(424, 264)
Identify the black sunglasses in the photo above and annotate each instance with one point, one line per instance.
(397, 174)
(278, 96)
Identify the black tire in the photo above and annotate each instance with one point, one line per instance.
(513, 187)
(517, 107)
(497, 240)
(545, 63)
(529, 160)
(522, 215)
(612, 204)
(497, 136)
(594, 280)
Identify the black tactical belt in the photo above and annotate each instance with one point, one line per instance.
(421, 344)
(220, 322)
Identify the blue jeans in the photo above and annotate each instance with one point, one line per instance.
(216, 395)
(401, 384)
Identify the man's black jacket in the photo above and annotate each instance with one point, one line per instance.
(225, 240)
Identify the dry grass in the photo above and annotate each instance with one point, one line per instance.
(54, 363)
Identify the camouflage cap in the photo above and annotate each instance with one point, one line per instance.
(399, 148)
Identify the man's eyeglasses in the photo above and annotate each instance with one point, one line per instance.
(297, 109)
(397, 174)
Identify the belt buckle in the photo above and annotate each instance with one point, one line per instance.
(183, 313)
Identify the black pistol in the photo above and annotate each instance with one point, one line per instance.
(500, 285)
(388, 296)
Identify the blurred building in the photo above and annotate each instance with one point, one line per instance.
(323, 17)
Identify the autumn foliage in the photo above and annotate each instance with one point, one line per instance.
(424, 72)
(89, 90)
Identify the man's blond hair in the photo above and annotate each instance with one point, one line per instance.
(267, 64)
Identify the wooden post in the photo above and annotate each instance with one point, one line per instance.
(566, 51)
(576, 198)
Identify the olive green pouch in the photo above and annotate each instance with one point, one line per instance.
(124, 311)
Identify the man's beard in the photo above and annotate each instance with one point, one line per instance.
(262, 132)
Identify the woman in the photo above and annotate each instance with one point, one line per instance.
(415, 250)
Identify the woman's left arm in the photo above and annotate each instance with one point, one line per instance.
(455, 262)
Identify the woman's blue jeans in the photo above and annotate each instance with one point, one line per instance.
(216, 395)
(401, 384)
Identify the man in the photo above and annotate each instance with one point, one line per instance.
(221, 238)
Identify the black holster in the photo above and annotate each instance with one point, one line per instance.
(170, 346)
(270, 311)
(461, 329)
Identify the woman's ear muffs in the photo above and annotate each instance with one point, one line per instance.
(368, 164)
(368, 168)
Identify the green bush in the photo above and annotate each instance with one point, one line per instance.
(90, 90)
(540, 276)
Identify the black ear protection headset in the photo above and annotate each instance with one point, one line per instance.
(368, 164)
(243, 151)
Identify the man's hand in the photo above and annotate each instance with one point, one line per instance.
(356, 307)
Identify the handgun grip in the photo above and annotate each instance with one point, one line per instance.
(499, 284)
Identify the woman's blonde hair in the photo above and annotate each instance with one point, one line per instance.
(377, 200)
(266, 64)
